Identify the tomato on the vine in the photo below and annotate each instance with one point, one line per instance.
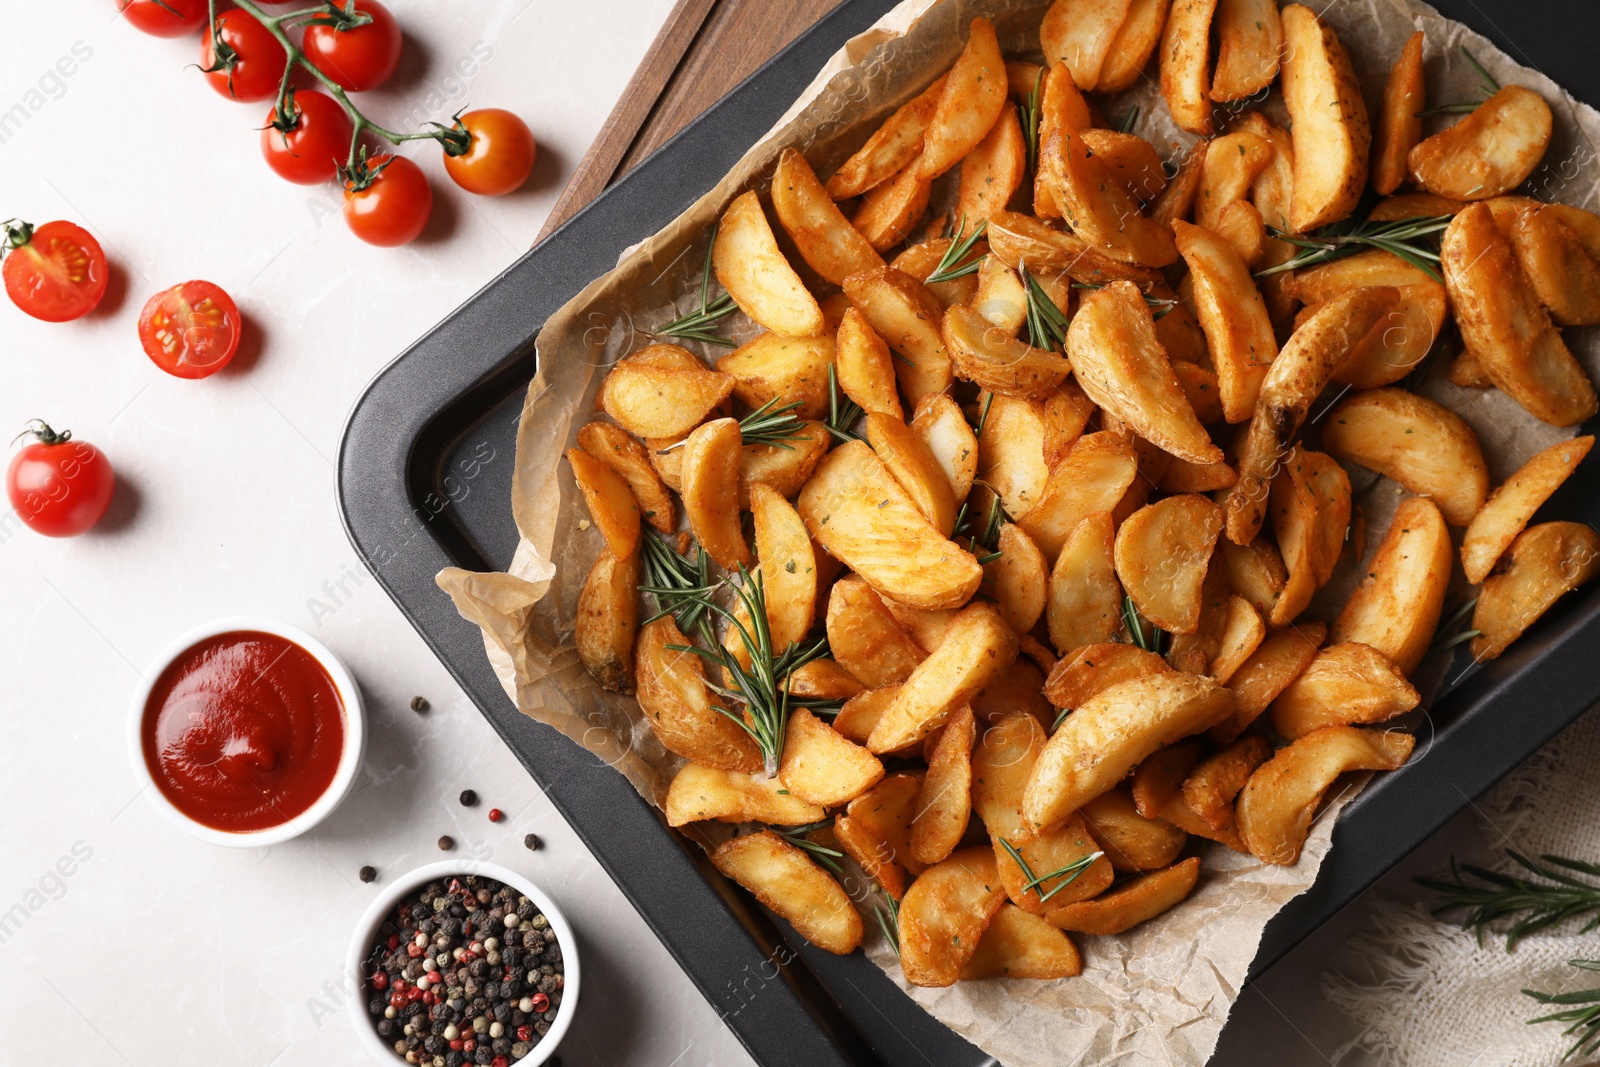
(392, 206)
(55, 272)
(57, 486)
(191, 330)
(308, 152)
(251, 62)
(356, 57)
(499, 157)
(165, 18)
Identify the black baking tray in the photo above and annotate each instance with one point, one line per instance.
(424, 483)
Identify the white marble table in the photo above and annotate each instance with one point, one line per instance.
(156, 948)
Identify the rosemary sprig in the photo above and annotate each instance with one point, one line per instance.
(842, 411)
(1159, 306)
(696, 326)
(1151, 639)
(888, 916)
(1536, 903)
(1406, 238)
(1129, 120)
(771, 425)
(828, 857)
(1036, 882)
(1487, 84)
(983, 415)
(1585, 1020)
(681, 587)
(1448, 636)
(1030, 121)
(950, 265)
(1061, 717)
(1047, 326)
(986, 538)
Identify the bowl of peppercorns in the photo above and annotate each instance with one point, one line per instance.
(463, 963)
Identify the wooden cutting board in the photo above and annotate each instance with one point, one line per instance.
(704, 49)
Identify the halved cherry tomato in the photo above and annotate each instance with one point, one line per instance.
(394, 206)
(191, 330)
(57, 486)
(358, 57)
(500, 156)
(252, 59)
(310, 151)
(55, 272)
(165, 18)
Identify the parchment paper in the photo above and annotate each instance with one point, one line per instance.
(1160, 993)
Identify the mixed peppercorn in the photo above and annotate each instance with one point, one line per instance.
(464, 972)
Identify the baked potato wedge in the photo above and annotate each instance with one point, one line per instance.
(1133, 45)
(1346, 685)
(864, 365)
(1018, 579)
(1396, 608)
(1250, 43)
(1563, 272)
(890, 212)
(1509, 508)
(1078, 34)
(976, 648)
(1132, 161)
(1233, 315)
(1488, 153)
(1092, 669)
(1084, 601)
(864, 637)
(699, 793)
(1421, 444)
(1162, 551)
(950, 438)
(785, 469)
(973, 97)
(1133, 902)
(1015, 238)
(792, 885)
(944, 914)
(994, 170)
(1130, 841)
(1399, 119)
(875, 831)
(1545, 562)
(1011, 452)
(608, 620)
(788, 566)
(890, 148)
(611, 503)
(1310, 508)
(711, 490)
(902, 312)
(1019, 945)
(993, 360)
(1270, 670)
(1332, 136)
(1215, 782)
(1093, 477)
(756, 275)
(820, 766)
(1185, 64)
(945, 802)
(662, 391)
(1098, 208)
(915, 468)
(782, 370)
(824, 237)
(630, 460)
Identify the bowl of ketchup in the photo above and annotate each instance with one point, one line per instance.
(246, 732)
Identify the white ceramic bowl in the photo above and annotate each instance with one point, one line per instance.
(410, 882)
(344, 776)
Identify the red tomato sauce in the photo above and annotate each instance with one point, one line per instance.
(243, 731)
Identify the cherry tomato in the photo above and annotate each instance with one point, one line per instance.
(55, 272)
(360, 57)
(165, 18)
(500, 156)
(191, 330)
(58, 486)
(394, 207)
(312, 149)
(252, 64)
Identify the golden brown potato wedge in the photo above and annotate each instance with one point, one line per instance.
(890, 148)
(752, 269)
(1084, 605)
(859, 714)
(1019, 945)
(608, 620)
(994, 360)
(1195, 651)
(788, 566)
(1093, 477)
(859, 514)
(1332, 137)
(1319, 284)
(820, 766)
(1241, 225)
(865, 638)
(1488, 153)
(611, 503)
(1232, 163)
(1232, 314)
(785, 469)
(1212, 786)
(1562, 271)
(1017, 579)
(1001, 298)
(974, 95)
(948, 435)
(890, 212)
(1399, 341)
(673, 696)
(865, 366)
(1092, 669)
(1505, 327)
(1066, 416)
(1177, 200)
(826, 240)
(782, 370)
(630, 460)
(1130, 841)
(1295, 379)
(1250, 36)
(1348, 684)
(914, 467)
(1255, 571)
(790, 883)
(711, 490)
(1508, 509)
(1545, 562)
(1133, 45)
(1120, 726)
(1181, 476)
(902, 312)
(945, 803)
(1241, 636)
(1078, 34)
(1277, 804)
(1098, 208)
(1122, 367)
(1061, 107)
(1413, 206)
(1399, 119)
(823, 679)
(1274, 666)
(1159, 777)
(1162, 552)
(875, 831)
(699, 792)
(1131, 159)
(994, 170)
(1185, 64)
(922, 259)
(944, 914)
(1011, 452)
(1396, 608)
(1131, 903)
(662, 391)
(1016, 238)
(1002, 761)
(1016, 690)
(1310, 508)
(927, 626)
(1423, 445)
(977, 647)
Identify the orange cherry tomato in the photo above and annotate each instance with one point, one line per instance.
(500, 156)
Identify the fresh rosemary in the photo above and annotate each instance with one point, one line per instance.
(1487, 84)
(1536, 903)
(1061, 717)
(950, 265)
(697, 325)
(1414, 240)
(828, 857)
(988, 537)
(1585, 1018)
(1047, 326)
(1069, 873)
(1151, 639)
(1159, 306)
(1129, 120)
(681, 586)
(772, 425)
(888, 916)
(842, 411)
(983, 415)
(1030, 121)
(1449, 634)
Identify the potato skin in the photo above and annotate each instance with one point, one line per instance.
(1396, 608)
(1421, 444)
(677, 705)
(1332, 135)
(608, 620)
(1488, 153)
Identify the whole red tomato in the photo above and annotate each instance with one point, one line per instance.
(55, 272)
(499, 157)
(249, 64)
(58, 486)
(357, 57)
(165, 18)
(310, 151)
(394, 205)
(191, 330)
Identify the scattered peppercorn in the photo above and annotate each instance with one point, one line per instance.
(468, 798)
(446, 842)
(420, 704)
(495, 815)
(368, 874)
(531, 842)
